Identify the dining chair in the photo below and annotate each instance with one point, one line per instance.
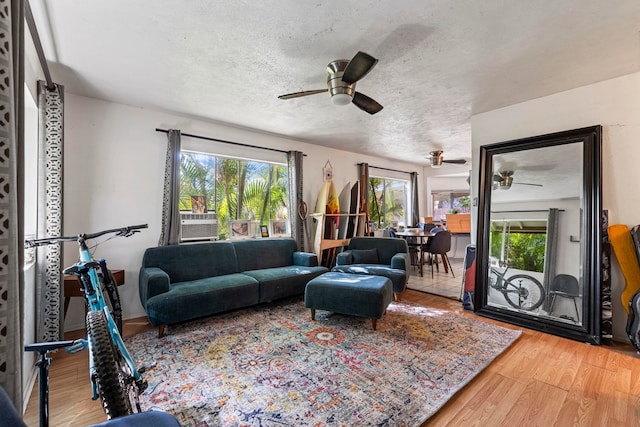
(565, 286)
(440, 244)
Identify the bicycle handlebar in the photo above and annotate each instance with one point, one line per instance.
(122, 231)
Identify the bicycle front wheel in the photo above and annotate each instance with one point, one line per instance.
(523, 292)
(110, 375)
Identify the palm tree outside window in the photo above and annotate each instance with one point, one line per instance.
(234, 188)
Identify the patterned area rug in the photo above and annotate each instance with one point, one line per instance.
(271, 365)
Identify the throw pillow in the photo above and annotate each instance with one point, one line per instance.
(365, 256)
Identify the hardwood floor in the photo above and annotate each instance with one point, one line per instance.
(541, 380)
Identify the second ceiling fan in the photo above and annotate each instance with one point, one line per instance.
(504, 180)
(436, 159)
(342, 76)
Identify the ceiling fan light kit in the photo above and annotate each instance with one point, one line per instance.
(504, 179)
(342, 76)
(436, 159)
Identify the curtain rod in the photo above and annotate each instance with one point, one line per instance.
(387, 169)
(206, 138)
(526, 211)
(38, 45)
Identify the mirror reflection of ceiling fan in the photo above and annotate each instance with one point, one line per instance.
(342, 76)
(436, 159)
(504, 180)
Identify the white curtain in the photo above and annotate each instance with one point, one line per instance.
(170, 231)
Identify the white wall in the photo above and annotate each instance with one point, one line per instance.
(614, 104)
(114, 171)
(33, 72)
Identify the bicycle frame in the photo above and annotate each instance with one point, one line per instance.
(87, 271)
(499, 277)
(96, 302)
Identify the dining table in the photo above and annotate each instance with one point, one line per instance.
(421, 235)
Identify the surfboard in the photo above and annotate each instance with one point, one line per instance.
(353, 209)
(320, 207)
(331, 222)
(625, 253)
(321, 203)
(345, 200)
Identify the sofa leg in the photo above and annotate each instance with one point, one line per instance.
(374, 323)
(313, 314)
(161, 331)
(396, 297)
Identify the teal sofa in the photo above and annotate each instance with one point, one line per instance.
(377, 256)
(184, 282)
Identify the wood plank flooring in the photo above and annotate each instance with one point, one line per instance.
(541, 380)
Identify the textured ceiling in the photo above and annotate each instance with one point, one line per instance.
(439, 61)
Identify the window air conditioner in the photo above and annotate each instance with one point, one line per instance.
(200, 226)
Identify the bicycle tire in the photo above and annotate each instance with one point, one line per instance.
(115, 307)
(110, 377)
(534, 290)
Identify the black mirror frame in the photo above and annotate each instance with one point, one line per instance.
(590, 330)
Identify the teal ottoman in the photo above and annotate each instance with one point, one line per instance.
(353, 294)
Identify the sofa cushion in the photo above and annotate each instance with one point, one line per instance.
(398, 277)
(365, 256)
(198, 298)
(265, 253)
(184, 263)
(281, 282)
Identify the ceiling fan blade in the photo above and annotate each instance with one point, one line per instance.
(358, 67)
(456, 161)
(365, 103)
(498, 178)
(303, 93)
(526, 183)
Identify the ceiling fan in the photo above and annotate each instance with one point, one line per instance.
(437, 160)
(504, 179)
(342, 76)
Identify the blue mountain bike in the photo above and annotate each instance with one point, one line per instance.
(114, 377)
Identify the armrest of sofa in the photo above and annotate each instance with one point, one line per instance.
(344, 258)
(305, 259)
(401, 261)
(152, 281)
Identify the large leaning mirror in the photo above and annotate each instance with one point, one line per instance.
(539, 239)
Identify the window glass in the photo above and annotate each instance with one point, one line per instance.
(389, 201)
(519, 244)
(446, 202)
(234, 189)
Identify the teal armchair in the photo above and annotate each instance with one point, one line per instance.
(377, 256)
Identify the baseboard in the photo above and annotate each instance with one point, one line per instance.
(28, 387)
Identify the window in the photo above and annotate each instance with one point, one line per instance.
(235, 189)
(389, 201)
(518, 243)
(449, 202)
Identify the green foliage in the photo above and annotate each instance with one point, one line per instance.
(387, 201)
(235, 189)
(525, 251)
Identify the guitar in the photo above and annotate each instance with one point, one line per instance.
(633, 321)
(625, 245)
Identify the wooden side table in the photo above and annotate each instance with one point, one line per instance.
(72, 286)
